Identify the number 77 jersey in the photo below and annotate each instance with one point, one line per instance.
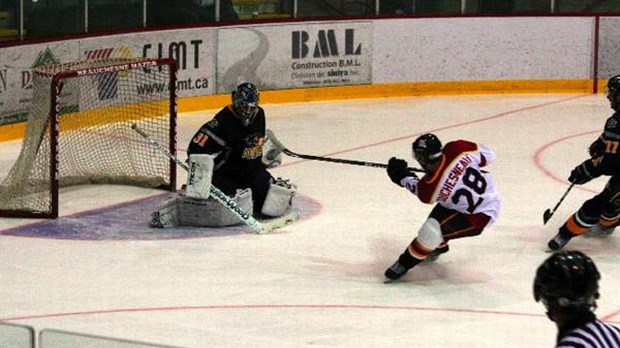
(459, 183)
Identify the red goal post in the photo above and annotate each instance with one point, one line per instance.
(79, 132)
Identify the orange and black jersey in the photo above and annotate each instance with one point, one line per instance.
(238, 148)
(605, 150)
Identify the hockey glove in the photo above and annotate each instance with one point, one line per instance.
(397, 170)
(272, 155)
(580, 175)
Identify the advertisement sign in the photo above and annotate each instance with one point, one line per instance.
(295, 56)
(194, 50)
(16, 64)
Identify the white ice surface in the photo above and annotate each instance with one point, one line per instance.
(319, 282)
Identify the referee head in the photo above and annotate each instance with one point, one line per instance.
(567, 285)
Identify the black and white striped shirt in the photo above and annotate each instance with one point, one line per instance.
(593, 334)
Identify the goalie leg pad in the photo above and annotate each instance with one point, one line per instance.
(211, 213)
(279, 197)
(199, 175)
(430, 235)
(167, 215)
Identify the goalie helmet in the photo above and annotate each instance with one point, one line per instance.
(426, 149)
(245, 101)
(568, 282)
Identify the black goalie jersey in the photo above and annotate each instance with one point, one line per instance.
(239, 149)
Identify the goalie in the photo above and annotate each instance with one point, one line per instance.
(232, 153)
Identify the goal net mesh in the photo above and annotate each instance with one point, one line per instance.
(79, 132)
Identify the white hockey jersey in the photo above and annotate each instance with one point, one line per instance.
(459, 183)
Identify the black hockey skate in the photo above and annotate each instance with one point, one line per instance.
(599, 231)
(558, 242)
(155, 220)
(395, 272)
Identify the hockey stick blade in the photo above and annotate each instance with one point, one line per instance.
(248, 219)
(549, 213)
(288, 152)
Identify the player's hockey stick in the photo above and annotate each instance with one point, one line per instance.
(279, 145)
(257, 226)
(549, 213)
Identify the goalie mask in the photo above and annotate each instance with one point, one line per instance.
(426, 149)
(613, 92)
(567, 282)
(245, 101)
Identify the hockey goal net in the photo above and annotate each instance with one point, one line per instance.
(79, 132)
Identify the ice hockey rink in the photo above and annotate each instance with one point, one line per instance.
(99, 270)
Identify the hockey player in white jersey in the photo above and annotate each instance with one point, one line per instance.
(465, 198)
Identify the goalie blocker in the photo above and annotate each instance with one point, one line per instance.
(196, 208)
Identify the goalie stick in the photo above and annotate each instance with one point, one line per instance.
(288, 152)
(257, 226)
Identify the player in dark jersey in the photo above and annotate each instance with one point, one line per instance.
(567, 285)
(601, 213)
(235, 138)
(466, 198)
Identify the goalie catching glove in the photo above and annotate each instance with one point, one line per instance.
(272, 155)
(397, 170)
